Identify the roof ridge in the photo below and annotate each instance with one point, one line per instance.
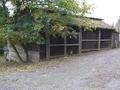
(94, 18)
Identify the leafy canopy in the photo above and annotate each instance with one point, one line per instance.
(32, 20)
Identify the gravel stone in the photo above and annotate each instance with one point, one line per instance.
(93, 71)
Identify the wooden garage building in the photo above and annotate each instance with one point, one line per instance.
(104, 37)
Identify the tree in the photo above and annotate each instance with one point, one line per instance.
(32, 20)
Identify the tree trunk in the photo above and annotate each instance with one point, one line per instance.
(26, 52)
(20, 53)
(16, 53)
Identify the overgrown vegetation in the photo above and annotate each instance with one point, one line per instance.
(23, 67)
(33, 20)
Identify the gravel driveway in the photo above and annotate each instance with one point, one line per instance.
(94, 71)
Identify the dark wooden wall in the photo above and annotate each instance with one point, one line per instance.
(82, 41)
(115, 40)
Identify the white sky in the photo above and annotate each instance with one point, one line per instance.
(109, 10)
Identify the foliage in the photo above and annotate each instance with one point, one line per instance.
(34, 19)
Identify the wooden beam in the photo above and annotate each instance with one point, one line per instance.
(39, 53)
(65, 46)
(106, 40)
(56, 45)
(95, 40)
(117, 34)
(80, 40)
(99, 39)
(83, 50)
(112, 40)
(90, 40)
(48, 47)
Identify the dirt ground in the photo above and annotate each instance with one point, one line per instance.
(94, 71)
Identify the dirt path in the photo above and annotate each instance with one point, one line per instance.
(96, 71)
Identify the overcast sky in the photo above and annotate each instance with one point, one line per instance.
(109, 10)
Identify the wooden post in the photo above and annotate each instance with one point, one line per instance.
(99, 39)
(112, 40)
(80, 40)
(65, 46)
(39, 52)
(48, 47)
(117, 40)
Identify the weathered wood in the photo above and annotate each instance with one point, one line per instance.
(57, 44)
(80, 40)
(92, 40)
(39, 53)
(115, 40)
(107, 40)
(112, 40)
(95, 40)
(65, 46)
(51, 57)
(48, 47)
(99, 39)
(106, 48)
(83, 50)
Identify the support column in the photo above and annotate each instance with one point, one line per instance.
(80, 41)
(112, 40)
(65, 46)
(48, 47)
(99, 39)
(117, 40)
(39, 53)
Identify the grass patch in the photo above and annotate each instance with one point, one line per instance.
(23, 67)
(13, 67)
